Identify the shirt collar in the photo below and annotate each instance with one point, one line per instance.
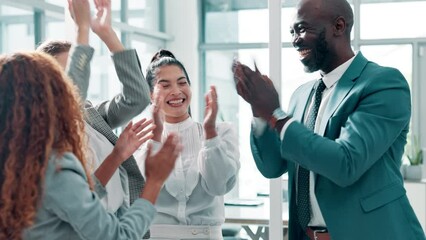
(332, 77)
(176, 127)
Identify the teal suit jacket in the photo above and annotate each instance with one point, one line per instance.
(356, 156)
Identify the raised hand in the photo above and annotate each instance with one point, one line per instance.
(210, 113)
(157, 115)
(133, 136)
(101, 22)
(80, 13)
(101, 25)
(256, 89)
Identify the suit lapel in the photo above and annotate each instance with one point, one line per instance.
(297, 111)
(95, 120)
(343, 87)
(303, 101)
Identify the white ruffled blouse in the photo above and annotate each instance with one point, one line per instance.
(204, 172)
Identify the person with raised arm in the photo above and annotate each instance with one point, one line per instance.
(117, 177)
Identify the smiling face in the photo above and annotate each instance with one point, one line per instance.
(172, 84)
(311, 31)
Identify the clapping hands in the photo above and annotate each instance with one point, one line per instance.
(158, 115)
(210, 113)
(100, 23)
(256, 89)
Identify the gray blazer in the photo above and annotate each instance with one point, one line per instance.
(113, 113)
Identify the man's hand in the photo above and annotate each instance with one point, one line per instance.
(101, 25)
(256, 89)
(80, 13)
(210, 113)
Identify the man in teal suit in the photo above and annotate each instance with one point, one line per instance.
(341, 141)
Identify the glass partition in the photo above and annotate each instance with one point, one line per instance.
(393, 20)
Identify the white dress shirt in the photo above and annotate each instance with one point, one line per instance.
(330, 80)
(99, 149)
(204, 172)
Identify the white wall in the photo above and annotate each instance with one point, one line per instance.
(182, 22)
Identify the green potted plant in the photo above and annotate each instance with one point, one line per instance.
(414, 154)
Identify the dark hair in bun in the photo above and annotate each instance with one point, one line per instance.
(162, 58)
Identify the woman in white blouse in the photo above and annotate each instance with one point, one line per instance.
(190, 205)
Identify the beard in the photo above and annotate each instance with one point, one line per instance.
(321, 51)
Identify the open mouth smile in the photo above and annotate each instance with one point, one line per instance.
(303, 53)
(176, 102)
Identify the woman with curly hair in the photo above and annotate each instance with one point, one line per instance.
(45, 189)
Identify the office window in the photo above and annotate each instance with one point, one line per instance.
(56, 2)
(145, 14)
(243, 21)
(244, 26)
(402, 19)
(115, 7)
(55, 29)
(397, 56)
(16, 29)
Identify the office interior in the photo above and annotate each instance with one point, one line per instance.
(206, 35)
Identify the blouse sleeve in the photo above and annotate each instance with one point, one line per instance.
(67, 195)
(219, 161)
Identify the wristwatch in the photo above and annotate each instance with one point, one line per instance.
(277, 114)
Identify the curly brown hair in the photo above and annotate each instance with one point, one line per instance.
(40, 116)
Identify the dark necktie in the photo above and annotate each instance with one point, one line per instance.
(303, 201)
